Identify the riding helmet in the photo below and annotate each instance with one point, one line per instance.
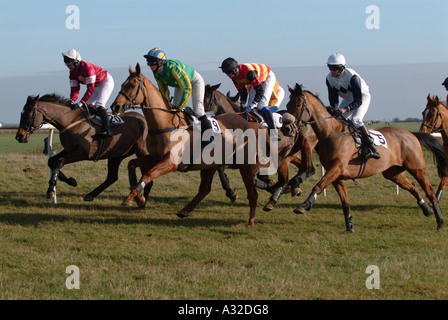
(229, 65)
(155, 57)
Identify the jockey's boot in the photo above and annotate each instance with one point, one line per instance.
(106, 132)
(368, 141)
(273, 132)
(205, 125)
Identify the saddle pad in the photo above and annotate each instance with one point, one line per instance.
(113, 120)
(378, 138)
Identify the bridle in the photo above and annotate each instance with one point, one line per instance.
(132, 100)
(433, 124)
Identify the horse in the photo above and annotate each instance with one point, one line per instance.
(342, 159)
(166, 123)
(435, 119)
(304, 142)
(76, 130)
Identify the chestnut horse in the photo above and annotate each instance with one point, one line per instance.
(169, 136)
(76, 131)
(342, 159)
(305, 141)
(435, 120)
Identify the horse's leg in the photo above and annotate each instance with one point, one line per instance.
(161, 168)
(113, 165)
(70, 181)
(252, 194)
(204, 189)
(230, 193)
(144, 163)
(279, 186)
(401, 180)
(334, 172)
(422, 178)
(341, 189)
(441, 187)
(55, 163)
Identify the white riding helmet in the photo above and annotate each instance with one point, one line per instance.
(72, 54)
(336, 59)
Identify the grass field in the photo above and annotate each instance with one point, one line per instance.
(124, 253)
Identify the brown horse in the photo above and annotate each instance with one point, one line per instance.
(340, 156)
(170, 138)
(435, 119)
(76, 131)
(305, 141)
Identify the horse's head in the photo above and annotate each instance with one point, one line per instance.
(218, 103)
(30, 120)
(432, 118)
(131, 92)
(296, 105)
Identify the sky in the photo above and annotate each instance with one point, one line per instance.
(400, 48)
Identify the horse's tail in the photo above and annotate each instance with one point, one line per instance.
(433, 144)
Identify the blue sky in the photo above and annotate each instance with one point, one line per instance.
(282, 34)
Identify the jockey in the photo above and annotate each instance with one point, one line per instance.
(348, 84)
(445, 84)
(186, 81)
(98, 81)
(266, 91)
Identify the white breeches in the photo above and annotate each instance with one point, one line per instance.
(197, 95)
(102, 93)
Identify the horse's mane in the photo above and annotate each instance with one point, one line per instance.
(298, 89)
(53, 97)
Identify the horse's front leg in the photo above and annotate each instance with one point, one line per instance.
(333, 173)
(280, 185)
(161, 168)
(55, 164)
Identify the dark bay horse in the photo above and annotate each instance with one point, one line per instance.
(342, 159)
(164, 123)
(435, 120)
(76, 131)
(293, 144)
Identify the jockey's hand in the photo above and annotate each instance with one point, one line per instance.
(334, 111)
(246, 108)
(75, 106)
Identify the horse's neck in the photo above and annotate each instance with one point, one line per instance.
(324, 125)
(58, 115)
(154, 101)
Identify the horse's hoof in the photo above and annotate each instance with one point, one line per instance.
(269, 206)
(350, 231)
(127, 203)
(72, 182)
(232, 195)
(295, 192)
(440, 225)
(182, 214)
(88, 197)
(141, 201)
(300, 210)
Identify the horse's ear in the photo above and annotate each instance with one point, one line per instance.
(298, 88)
(137, 69)
(215, 87)
(436, 99)
(130, 70)
(290, 89)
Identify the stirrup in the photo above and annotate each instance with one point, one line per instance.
(103, 134)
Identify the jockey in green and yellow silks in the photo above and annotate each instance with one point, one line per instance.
(187, 82)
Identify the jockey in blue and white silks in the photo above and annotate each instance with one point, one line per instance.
(347, 84)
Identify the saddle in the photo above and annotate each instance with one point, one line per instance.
(113, 119)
